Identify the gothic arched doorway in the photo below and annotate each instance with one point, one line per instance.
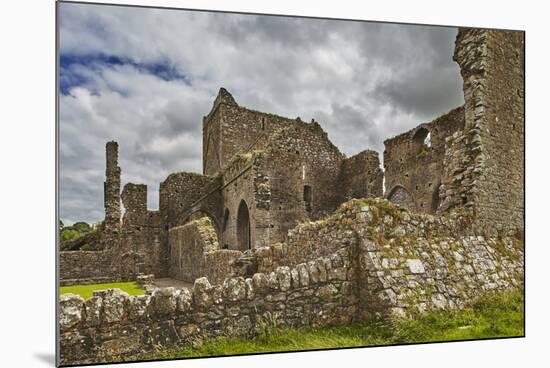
(402, 197)
(243, 227)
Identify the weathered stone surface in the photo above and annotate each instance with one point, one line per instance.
(163, 301)
(259, 281)
(184, 300)
(114, 301)
(284, 278)
(137, 306)
(71, 310)
(415, 266)
(303, 274)
(235, 289)
(201, 292)
(326, 292)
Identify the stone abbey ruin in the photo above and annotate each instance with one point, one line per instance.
(282, 225)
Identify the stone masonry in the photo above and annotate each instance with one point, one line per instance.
(383, 262)
(474, 157)
(282, 228)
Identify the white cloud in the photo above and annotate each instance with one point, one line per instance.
(362, 81)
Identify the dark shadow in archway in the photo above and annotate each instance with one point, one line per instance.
(243, 227)
(401, 196)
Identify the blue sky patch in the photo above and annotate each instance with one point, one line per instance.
(70, 76)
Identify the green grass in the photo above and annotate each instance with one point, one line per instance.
(494, 315)
(86, 291)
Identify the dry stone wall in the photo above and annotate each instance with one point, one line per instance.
(406, 261)
(389, 263)
(416, 262)
(112, 326)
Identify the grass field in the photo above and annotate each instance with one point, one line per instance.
(494, 315)
(86, 291)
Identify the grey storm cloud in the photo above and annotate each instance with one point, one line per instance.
(146, 77)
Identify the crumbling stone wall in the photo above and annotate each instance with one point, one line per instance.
(393, 262)
(81, 265)
(181, 193)
(479, 161)
(195, 253)
(140, 250)
(405, 261)
(304, 244)
(111, 325)
(135, 247)
(492, 67)
(361, 176)
(416, 262)
(284, 170)
(414, 162)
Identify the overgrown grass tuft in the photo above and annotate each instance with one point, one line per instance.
(493, 315)
(86, 291)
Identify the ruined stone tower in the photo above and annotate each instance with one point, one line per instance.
(492, 67)
(470, 158)
(112, 187)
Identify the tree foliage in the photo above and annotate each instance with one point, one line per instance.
(77, 230)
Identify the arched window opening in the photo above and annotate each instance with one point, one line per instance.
(402, 197)
(243, 227)
(225, 220)
(422, 141)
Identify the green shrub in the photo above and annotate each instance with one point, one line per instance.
(68, 233)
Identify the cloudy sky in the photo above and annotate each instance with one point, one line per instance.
(146, 77)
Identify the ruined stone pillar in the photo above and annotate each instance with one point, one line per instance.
(111, 190)
(492, 67)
